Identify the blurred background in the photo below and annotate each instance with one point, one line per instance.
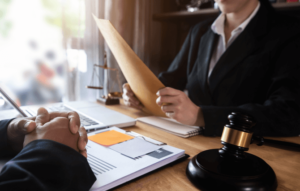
(36, 52)
(48, 47)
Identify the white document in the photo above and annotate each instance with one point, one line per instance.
(171, 126)
(112, 168)
(135, 147)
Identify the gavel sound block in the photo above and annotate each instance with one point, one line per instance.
(231, 168)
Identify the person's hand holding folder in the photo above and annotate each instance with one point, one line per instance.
(130, 99)
(177, 105)
(174, 103)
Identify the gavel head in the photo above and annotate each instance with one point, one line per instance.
(237, 135)
(231, 168)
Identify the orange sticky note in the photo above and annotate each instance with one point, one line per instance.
(108, 138)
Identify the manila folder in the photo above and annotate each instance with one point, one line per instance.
(142, 81)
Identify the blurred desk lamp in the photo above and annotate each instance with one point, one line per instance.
(109, 98)
(231, 168)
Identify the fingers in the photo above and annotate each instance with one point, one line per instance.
(167, 100)
(169, 108)
(42, 117)
(74, 122)
(59, 122)
(126, 86)
(168, 91)
(29, 126)
(72, 116)
(129, 98)
(82, 141)
(171, 115)
(133, 102)
(171, 111)
(22, 125)
(128, 94)
(55, 130)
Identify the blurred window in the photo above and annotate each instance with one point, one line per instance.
(41, 49)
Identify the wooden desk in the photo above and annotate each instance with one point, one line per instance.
(286, 164)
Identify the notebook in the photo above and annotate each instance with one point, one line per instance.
(171, 126)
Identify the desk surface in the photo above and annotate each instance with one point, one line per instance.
(286, 164)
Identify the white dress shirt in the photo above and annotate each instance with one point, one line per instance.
(218, 28)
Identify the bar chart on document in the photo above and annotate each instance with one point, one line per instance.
(116, 156)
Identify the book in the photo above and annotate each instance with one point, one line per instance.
(171, 126)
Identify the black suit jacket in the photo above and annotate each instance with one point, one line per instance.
(43, 165)
(257, 75)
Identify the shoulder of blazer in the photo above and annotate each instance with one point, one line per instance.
(287, 27)
(270, 22)
(200, 28)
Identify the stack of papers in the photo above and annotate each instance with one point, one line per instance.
(113, 168)
(123, 143)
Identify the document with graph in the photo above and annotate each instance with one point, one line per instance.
(117, 156)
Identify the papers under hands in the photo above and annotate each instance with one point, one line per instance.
(109, 138)
(113, 168)
(123, 143)
(135, 148)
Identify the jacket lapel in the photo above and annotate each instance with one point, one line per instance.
(242, 47)
(236, 52)
(205, 52)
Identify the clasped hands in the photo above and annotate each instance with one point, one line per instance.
(174, 103)
(62, 127)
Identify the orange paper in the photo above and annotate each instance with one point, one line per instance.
(142, 81)
(108, 138)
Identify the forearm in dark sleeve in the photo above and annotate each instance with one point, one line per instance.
(5, 150)
(279, 122)
(47, 165)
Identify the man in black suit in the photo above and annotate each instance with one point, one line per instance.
(53, 156)
(247, 60)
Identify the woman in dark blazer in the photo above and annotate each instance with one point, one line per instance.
(258, 74)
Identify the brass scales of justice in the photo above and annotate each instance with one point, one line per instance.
(109, 98)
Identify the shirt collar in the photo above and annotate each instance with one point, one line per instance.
(218, 25)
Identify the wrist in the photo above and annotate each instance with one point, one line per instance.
(199, 118)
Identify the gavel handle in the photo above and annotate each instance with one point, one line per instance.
(275, 143)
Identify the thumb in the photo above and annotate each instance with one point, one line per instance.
(127, 87)
(42, 116)
(23, 125)
(29, 126)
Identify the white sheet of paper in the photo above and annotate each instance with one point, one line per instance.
(135, 148)
(113, 168)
